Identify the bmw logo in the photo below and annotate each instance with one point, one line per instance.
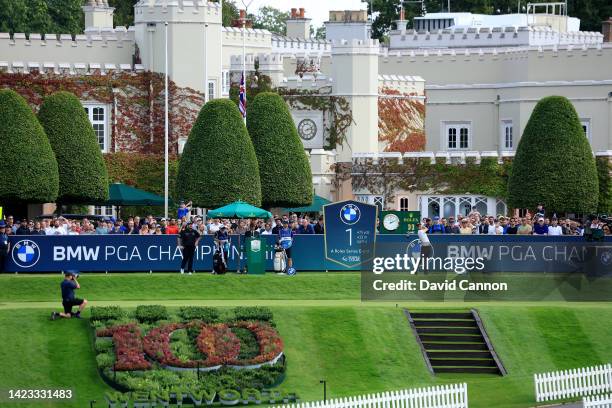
(350, 214)
(26, 253)
(291, 271)
(606, 258)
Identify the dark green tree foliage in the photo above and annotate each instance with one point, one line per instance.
(229, 13)
(83, 175)
(554, 164)
(286, 179)
(604, 172)
(28, 171)
(218, 165)
(271, 19)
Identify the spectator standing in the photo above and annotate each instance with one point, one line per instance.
(267, 229)
(540, 228)
(58, 229)
(306, 227)
(172, 229)
(277, 227)
(466, 228)
(116, 230)
(37, 230)
(512, 229)
(184, 210)
(23, 228)
(436, 227)
(4, 244)
(74, 229)
(483, 228)
(319, 228)
(188, 240)
(524, 228)
(555, 229)
(101, 229)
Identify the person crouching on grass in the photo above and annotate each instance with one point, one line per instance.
(68, 285)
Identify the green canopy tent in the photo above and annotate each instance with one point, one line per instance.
(317, 206)
(239, 209)
(120, 195)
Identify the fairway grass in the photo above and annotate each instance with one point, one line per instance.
(358, 348)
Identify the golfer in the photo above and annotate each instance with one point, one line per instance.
(285, 240)
(426, 248)
(188, 240)
(69, 300)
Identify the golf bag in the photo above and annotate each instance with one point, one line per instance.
(280, 259)
(219, 264)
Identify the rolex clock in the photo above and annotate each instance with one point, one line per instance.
(391, 222)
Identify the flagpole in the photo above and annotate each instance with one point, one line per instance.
(166, 127)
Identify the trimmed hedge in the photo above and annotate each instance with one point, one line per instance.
(206, 314)
(286, 178)
(255, 313)
(151, 313)
(82, 173)
(554, 164)
(104, 313)
(28, 169)
(218, 165)
(604, 172)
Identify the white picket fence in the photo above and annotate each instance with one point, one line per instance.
(573, 383)
(442, 396)
(597, 401)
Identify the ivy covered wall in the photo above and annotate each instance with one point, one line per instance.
(135, 104)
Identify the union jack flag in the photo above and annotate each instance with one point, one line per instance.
(242, 103)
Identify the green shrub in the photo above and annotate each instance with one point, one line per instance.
(103, 345)
(28, 169)
(105, 360)
(151, 313)
(206, 314)
(82, 173)
(604, 172)
(286, 178)
(104, 313)
(257, 313)
(554, 164)
(218, 165)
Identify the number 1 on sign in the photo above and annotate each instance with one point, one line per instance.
(350, 231)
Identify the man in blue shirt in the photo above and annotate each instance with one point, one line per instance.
(306, 227)
(540, 228)
(69, 300)
(436, 227)
(184, 210)
(285, 240)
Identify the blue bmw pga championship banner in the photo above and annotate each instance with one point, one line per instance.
(350, 233)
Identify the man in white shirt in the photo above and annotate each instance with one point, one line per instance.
(555, 228)
(46, 226)
(58, 229)
(214, 227)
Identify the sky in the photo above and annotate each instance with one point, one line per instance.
(317, 10)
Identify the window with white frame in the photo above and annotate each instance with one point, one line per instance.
(211, 90)
(586, 127)
(507, 135)
(181, 145)
(225, 88)
(403, 204)
(97, 115)
(103, 210)
(457, 136)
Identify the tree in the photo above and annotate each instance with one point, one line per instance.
(271, 19)
(67, 16)
(540, 174)
(82, 174)
(319, 33)
(28, 173)
(124, 12)
(286, 179)
(229, 13)
(218, 165)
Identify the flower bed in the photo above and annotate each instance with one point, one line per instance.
(270, 344)
(128, 347)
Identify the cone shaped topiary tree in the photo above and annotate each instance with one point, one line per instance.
(82, 173)
(554, 164)
(286, 178)
(218, 165)
(28, 169)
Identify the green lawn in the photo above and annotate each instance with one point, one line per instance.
(357, 347)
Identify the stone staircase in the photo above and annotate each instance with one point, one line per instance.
(454, 342)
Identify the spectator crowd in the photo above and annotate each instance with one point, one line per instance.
(158, 226)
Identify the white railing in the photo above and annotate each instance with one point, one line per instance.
(442, 396)
(598, 401)
(573, 383)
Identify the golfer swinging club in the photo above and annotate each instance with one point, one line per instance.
(68, 285)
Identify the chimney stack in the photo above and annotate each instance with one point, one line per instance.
(606, 29)
(298, 26)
